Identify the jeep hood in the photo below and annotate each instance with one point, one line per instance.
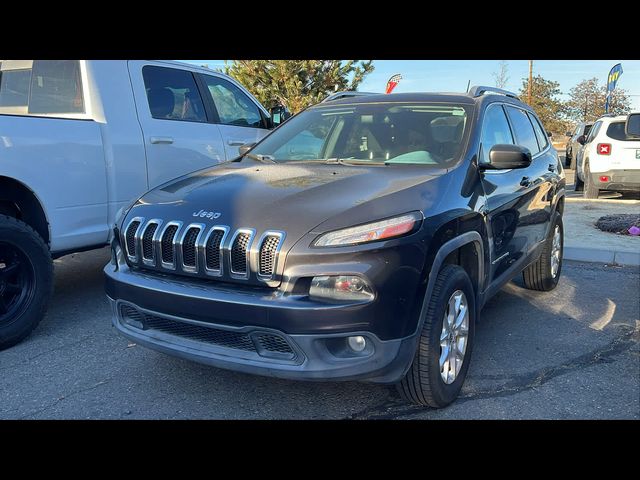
(294, 198)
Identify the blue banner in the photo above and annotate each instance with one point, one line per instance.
(612, 80)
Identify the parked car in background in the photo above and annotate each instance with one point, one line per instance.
(573, 146)
(610, 157)
(365, 254)
(81, 139)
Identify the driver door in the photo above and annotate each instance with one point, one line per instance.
(240, 120)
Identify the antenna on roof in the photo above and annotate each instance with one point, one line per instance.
(468, 85)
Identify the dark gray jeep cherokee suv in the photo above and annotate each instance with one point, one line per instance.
(359, 240)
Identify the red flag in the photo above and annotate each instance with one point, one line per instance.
(393, 81)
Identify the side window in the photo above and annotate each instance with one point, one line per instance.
(593, 132)
(233, 105)
(522, 129)
(173, 94)
(56, 87)
(541, 135)
(495, 130)
(14, 88)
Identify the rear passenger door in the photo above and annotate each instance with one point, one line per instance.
(238, 116)
(180, 135)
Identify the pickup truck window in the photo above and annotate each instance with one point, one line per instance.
(56, 87)
(233, 106)
(173, 94)
(14, 88)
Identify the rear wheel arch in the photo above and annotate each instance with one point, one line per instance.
(20, 202)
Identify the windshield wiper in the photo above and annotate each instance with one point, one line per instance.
(261, 158)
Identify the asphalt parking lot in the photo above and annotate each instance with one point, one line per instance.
(571, 353)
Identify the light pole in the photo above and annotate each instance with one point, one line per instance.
(530, 81)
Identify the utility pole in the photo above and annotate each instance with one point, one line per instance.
(530, 81)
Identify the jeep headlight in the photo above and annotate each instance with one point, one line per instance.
(371, 232)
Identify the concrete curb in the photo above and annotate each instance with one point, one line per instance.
(617, 257)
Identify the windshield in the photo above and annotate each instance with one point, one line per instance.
(383, 133)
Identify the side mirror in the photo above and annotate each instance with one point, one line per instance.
(581, 139)
(632, 125)
(506, 156)
(244, 149)
(549, 134)
(279, 115)
(569, 134)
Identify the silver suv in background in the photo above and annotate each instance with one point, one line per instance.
(573, 146)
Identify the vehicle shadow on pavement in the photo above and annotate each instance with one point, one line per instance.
(537, 355)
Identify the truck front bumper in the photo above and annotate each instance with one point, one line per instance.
(242, 329)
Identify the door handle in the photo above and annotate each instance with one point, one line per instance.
(156, 140)
(552, 167)
(525, 182)
(235, 143)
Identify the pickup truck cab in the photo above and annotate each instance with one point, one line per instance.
(366, 254)
(80, 139)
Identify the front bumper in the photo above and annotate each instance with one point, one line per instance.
(223, 325)
(619, 180)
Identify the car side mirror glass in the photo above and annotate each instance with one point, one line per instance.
(569, 134)
(244, 149)
(279, 114)
(632, 125)
(581, 139)
(550, 134)
(506, 157)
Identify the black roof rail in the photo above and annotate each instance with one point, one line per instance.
(478, 90)
(345, 94)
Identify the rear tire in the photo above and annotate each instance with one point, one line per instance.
(26, 280)
(543, 274)
(424, 383)
(578, 184)
(591, 190)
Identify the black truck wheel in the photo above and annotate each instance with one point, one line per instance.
(544, 273)
(26, 280)
(444, 349)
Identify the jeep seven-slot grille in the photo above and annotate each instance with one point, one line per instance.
(265, 344)
(189, 250)
(239, 253)
(167, 243)
(212, 252)
(147, 241)
(189, 247)
(268, 251)
(131, 237)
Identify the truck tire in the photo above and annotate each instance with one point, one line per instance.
(591, 190)
(578, 184)
(26, 280)
(567, 158)
(544, 273)
(430, 381)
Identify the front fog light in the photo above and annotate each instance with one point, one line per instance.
(340, 287)
(357, 343)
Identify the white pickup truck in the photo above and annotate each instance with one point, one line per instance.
(80, 139)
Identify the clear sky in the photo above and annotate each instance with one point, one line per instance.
(453, 75)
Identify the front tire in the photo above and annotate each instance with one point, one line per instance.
(591, 190)
(544, 273)
(26, 280)
(442, 357)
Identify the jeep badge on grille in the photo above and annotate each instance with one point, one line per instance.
(205, 214)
